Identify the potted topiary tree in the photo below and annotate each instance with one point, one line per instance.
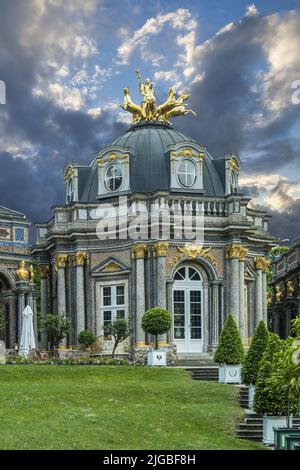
(86, 338)
(156, 321)
(273, 398)
(253, 358)
(229, 353)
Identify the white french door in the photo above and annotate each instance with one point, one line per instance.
(188, 311)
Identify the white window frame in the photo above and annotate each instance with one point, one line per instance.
(181, 175)
(100, 308)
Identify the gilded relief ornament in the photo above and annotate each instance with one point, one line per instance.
(148, 111)
(60, 261)
(234, 166)
(31, 274)
(80, 258)
(161, 248)
(261, 263)
(269, 298)
(139, 251)
(290, 289)
(278, 293)
(111, 267)
(193, 252)
(44, 272)
(22, 272)
(236, 251)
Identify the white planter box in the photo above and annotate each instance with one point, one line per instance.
(157, 358)
(251, 396)
(229, 374)
(270, 422)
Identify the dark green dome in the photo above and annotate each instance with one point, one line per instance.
(150, 143)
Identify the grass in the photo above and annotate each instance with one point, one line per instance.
(115, 407)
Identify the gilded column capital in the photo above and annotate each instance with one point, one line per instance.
(261, 263)
(236, 251)
(80, 257)
(60, 261)
(44, 271)
(139, 251)
(161, 248)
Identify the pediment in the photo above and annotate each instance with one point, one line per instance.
(110, 265)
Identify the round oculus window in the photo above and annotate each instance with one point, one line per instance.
(187, 173)
(113, 177)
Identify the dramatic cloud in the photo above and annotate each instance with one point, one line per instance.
(65, 63)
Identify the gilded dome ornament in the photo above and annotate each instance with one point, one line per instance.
(148, 111)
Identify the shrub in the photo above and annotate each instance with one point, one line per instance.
(156, 321)
(254, 356)
(87, 338)
(230, 348)
(272, 394)
(119, 329)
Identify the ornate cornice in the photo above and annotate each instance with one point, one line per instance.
(261, 263)
(161, 248)
(187, 152)
(139, 251)
(236, 251)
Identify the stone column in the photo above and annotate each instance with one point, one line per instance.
(233, 254)
(60, 264)
(138, 253)
(11, 319)
(261, 265)
(21, 306)
(264, 298)
(160, 251)
(242, 301)
(44, 272)
(215, 315)
(79, 261)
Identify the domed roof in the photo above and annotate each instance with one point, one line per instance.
(150, 144)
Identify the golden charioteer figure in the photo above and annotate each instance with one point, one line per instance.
(147, 110)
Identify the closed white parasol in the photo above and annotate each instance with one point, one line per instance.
(27, 342)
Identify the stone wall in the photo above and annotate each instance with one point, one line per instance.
(139, 355)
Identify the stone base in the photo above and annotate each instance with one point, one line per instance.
(138, 355)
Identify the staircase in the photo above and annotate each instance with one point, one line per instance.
(204, 373)
(252, 428)
(244, 397)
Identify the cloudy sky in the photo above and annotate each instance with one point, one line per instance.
(65, 63)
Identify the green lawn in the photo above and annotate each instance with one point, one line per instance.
(115, 407)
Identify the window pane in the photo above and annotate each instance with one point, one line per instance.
(179, 333)
(113, 177)
(120, 295)
(120, 314)
(187, 173)
(180, 274)
(194, 275)
(106, 296)
(195, 333)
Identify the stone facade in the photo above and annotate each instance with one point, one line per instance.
(92, 278)
(17, 287)
(284, 302)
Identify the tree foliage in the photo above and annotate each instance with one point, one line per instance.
(57, 328)
(254, 356)
(273, 395)
(119, 329)
(156, 321)
(230, 348)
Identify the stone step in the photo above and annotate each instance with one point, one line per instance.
(204, 373)
(250, 427)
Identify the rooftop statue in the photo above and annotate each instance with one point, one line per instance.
(148, 111)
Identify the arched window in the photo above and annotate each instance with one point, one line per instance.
(113, 177)
(187, 173)
(188, 310)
